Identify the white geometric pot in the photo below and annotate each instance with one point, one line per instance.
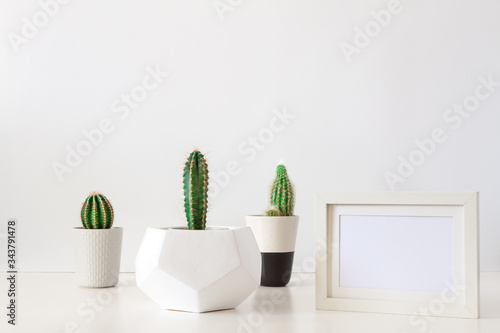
(198, 270)
(276, 237)
(97, 256)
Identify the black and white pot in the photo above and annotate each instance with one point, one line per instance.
(276, 237)
(97, 256)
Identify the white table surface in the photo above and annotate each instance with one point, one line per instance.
(52, 303)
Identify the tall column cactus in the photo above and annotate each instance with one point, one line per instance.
(282, 197)
(97, 212)
(196, 191)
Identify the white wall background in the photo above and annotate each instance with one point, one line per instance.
(352, 119)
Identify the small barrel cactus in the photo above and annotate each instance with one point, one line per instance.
(97, 212)
(273, 212)
(282, 198)
(196, 191)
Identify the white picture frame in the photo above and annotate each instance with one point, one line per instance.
(447, 225)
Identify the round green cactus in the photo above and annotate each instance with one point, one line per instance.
(196, 191)
(273, 212)
(282, 194)
(97, 212)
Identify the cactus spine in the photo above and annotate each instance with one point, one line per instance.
(282, 194)
(196, 191)
(97, 212)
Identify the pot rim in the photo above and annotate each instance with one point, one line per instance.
(185, 228)
(279, 217)
(85, 229)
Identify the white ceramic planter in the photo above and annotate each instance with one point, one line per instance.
(198, 270)
(97, 255)
(276, 236)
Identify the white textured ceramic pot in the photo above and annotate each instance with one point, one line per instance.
(97, 254)
(276, 236)
(198, 270)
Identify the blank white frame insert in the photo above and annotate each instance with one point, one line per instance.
(398, 252)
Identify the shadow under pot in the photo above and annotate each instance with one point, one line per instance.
(276, 236)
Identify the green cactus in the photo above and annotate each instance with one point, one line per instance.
(282, 194)
(196, 191)
(97, 212)
(273, 212)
